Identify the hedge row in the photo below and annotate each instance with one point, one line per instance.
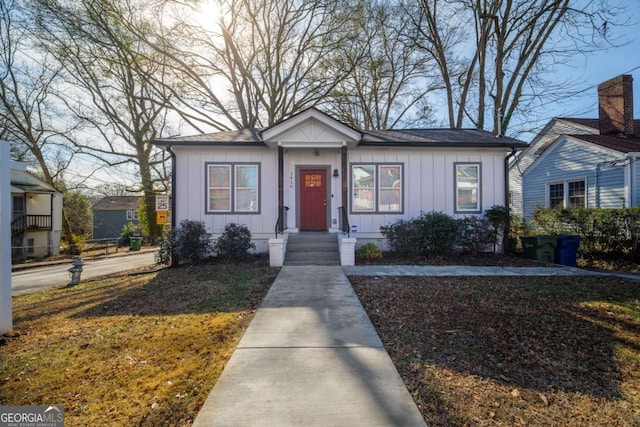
(436, 233)
(615, 231)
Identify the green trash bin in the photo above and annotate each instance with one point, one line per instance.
(135, 243)
(541, 248)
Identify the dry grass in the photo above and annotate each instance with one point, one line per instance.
(131, 350)
(511, 351)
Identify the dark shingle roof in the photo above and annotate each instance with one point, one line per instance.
(618, 143)
(116, 203)
(595, 123)
(438, 137)
(404, 137)
(243, 136)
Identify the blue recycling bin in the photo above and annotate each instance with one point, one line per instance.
(567, 250)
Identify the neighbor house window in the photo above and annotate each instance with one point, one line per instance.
(132, 215)
(467, 187)
(577, 194)
(568, 194)
(232, 187)
(556, 195)
(376, 188)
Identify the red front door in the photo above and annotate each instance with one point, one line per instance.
(313, 199)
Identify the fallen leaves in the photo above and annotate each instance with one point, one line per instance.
(535, 351)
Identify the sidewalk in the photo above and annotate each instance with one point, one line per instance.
(123, 251)
(310, 357)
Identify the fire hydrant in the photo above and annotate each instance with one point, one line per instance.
(75, 271)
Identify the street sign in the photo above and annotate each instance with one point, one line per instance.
(162, 202)
(162, 217)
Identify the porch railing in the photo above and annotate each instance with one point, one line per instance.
(281, 223)
(30, 222)
(344, 221)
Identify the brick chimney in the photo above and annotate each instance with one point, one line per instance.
(615, 106)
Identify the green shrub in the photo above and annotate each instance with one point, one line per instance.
(369, 252)
(615, 231)
(475, 234)
(437, 232)
(432, 233)
(401, 237)
(130, 229)
(235, 242)
(189, 242)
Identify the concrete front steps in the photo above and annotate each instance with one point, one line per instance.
(312, 248)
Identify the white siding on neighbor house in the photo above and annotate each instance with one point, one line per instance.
(191, 189)
(544, 139)
(569, 159)
(429, 182)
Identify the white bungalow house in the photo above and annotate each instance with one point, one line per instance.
(311, 172)
(582, 162)
(36, 215)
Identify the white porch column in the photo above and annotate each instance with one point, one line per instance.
(6, 315)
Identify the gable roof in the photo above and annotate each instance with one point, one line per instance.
(395, 137)
(116, 203)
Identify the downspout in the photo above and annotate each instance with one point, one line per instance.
(174, 260)
(173, 187)
(507, 225)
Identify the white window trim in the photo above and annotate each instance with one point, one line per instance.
(565, 183)
(376, 189)
(233, 189)
(456, 206)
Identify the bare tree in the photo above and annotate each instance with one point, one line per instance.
(390, 78)
(512, 45)
(111, 85)
(263, 61)
(28, 108)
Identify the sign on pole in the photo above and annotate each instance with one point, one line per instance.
(162, 217)
(162, 202)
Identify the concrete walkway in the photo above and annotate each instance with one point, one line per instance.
(310, 357)
(466, 270)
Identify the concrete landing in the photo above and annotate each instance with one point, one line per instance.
(310, 357)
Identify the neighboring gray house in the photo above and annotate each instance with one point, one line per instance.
(577, 162)
(111, 213)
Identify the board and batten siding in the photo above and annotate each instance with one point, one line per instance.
(429, 182)
(569, 159)
(191, 189)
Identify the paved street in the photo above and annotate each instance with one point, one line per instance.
(37, 279)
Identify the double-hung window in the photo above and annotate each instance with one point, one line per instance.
(132, 215)
(467, 197)
(556, 195)
(567, 194)
(233, 188)
(377, 188)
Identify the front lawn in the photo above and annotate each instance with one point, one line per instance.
(131, 350)
(537, 351)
